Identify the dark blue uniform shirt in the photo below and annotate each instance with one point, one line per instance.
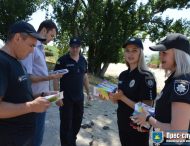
(176, 89)
(15, 87)
(72, 82)
(137, 87)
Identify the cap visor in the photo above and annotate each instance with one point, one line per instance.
(159, 47)
(37, 36)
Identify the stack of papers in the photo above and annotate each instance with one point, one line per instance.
(138, 109)
(103, 89)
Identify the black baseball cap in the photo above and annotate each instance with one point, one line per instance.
(24, 27)
(173, 40)
(75, 41)
(133, 41)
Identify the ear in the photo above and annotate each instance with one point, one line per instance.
(17, 37)
(44, 30)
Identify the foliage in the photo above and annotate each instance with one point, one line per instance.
(154, 61)
(104, 25)
(14, 10)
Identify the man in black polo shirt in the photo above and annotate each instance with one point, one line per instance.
(17, 105)
(71, 108)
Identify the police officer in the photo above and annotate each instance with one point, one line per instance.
(71, 107)
(173, 104)
(136, 84)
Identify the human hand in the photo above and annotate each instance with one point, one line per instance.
(89, 97)
(55, 76)
(140, 119)
(38, 105)
(59, 102)
(114, 97)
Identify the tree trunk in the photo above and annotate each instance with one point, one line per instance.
(104, 69)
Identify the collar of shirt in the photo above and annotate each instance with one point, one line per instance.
(39, 45)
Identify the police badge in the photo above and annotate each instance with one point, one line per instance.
(132, 83)
(181, 87)
(149, 83)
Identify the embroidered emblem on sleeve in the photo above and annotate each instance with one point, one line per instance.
(132, 83)
(58, 62)
(149, 83)
(120, 82)
(181, 87)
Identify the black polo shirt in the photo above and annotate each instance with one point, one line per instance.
(15, 87)
(176, 89)
(72, 82)
(136, 86)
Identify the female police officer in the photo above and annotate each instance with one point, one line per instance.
(136, 84)
(173, 107)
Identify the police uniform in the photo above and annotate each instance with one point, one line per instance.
(71, 112)
(15, 87)
(176, 89)
(136, 86)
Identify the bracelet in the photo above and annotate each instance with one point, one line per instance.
(148, 117)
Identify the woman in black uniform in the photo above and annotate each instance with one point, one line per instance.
(172, 110)
(136, 84)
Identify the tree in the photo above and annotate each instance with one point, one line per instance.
(14, 10)
(104, 25)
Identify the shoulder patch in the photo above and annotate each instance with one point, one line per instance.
(58, 62)
(120, 82)
(181, 87)
(149, 82)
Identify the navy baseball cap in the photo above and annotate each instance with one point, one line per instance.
(75, 42)
(24, 27)
(133, 41)
(173, 40)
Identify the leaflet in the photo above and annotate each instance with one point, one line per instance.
(104, 89)
(54, 97)
(138, 109)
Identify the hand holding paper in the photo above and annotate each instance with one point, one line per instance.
(54, 97)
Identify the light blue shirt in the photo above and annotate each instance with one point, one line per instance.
(36, 65)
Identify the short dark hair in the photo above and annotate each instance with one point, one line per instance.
(49, 25)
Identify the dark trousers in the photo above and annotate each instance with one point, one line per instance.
(19, 138)
(129, 136)
(71, 114)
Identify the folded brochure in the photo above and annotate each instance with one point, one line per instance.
(104, 89)
(54, 97)
(138, 109)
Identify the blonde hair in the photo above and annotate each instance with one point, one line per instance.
(142, 67)
(182, 61)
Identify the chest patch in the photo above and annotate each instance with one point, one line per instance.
(22, 78)
(181, 87)
(132, 83)
(149, 83)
